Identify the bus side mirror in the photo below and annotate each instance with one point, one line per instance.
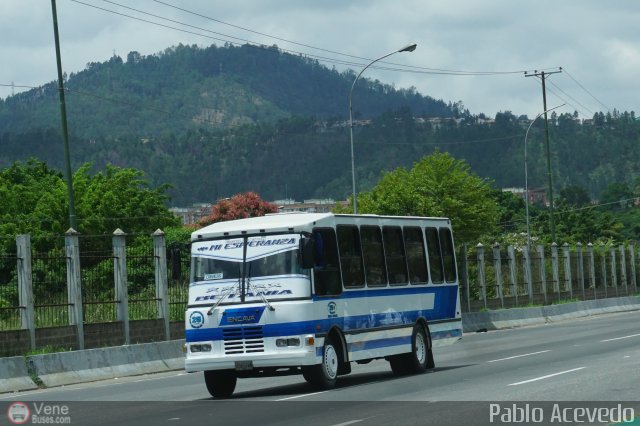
(307, 253)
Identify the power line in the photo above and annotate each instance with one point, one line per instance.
(405, 68)
(435, 70)
(565, 211)
(566, 101)
(585, 89)
(445, 143)
(17, 85)
(570, 97)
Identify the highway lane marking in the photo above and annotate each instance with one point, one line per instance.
(545, 377)
(620, 338)
(301, 396)
(352, 422)
(519, 356)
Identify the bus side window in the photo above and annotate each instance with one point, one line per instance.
(395, 255)
(374, 264)
(446, 240)
(350, 256)
(435, 258)
(326, 272)
(416, 256)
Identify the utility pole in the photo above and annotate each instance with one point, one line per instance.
(65, 131)
(543, 76)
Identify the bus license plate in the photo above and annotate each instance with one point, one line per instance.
(244, 365)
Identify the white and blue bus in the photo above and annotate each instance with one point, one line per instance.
(310, 293)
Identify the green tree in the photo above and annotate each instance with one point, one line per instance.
(34, 201)
(617, 196)
(119, 198)
(437, 185)
(575, 195)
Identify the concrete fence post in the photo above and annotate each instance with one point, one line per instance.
(74, 284)
(554, 269)
(580, 268)
(568, 285)
(465, 274)
(120, 278)
(592, 270)
(632, 260)
(527, 271)
(623, 269)
(513, 276)
(497, 266)
(614, 272)
(162, 285)
(481, 280)
(25, 287)
(543, 272)
(603, 269)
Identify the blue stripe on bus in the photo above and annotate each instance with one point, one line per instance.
(445, 307)
(360, 323)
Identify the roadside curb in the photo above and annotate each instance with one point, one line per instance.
(65, 368)
(521, 317)
(15, 376)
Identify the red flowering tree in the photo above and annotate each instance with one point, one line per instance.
(240, 206)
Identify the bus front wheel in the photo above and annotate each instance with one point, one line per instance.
(220, 383)
(324, 375)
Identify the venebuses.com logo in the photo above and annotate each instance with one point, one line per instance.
(18, 413)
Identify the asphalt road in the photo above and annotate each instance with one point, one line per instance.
(588, 364)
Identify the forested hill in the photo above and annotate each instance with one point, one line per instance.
(217, 121)
(187, 87)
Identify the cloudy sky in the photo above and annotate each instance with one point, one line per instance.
(488, 44)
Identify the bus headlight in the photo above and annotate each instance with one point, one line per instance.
(288, 342)
(200, 348)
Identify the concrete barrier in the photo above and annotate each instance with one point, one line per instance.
(520, 317)
(14, 375)
(65, 368)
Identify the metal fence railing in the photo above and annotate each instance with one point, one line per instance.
(178, 267)
(96, 269)
(49, 280)
(141, 279)
(505, 277)
(9, 300)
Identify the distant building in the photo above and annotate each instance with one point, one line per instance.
(536, 195)
(315, 205)
(192, 215)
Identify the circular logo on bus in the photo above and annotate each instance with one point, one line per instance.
(196, 319)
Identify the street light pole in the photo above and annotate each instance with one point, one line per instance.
(408, 48)
(526, 175)
(63, 115)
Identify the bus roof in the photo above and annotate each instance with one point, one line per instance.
(289, 222)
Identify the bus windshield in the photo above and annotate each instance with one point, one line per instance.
(247, 268)
(213, 269)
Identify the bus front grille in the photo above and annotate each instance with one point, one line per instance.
(243, 340)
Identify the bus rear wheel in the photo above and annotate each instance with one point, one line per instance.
(419, 359)
(325, 374)
(220, 383)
